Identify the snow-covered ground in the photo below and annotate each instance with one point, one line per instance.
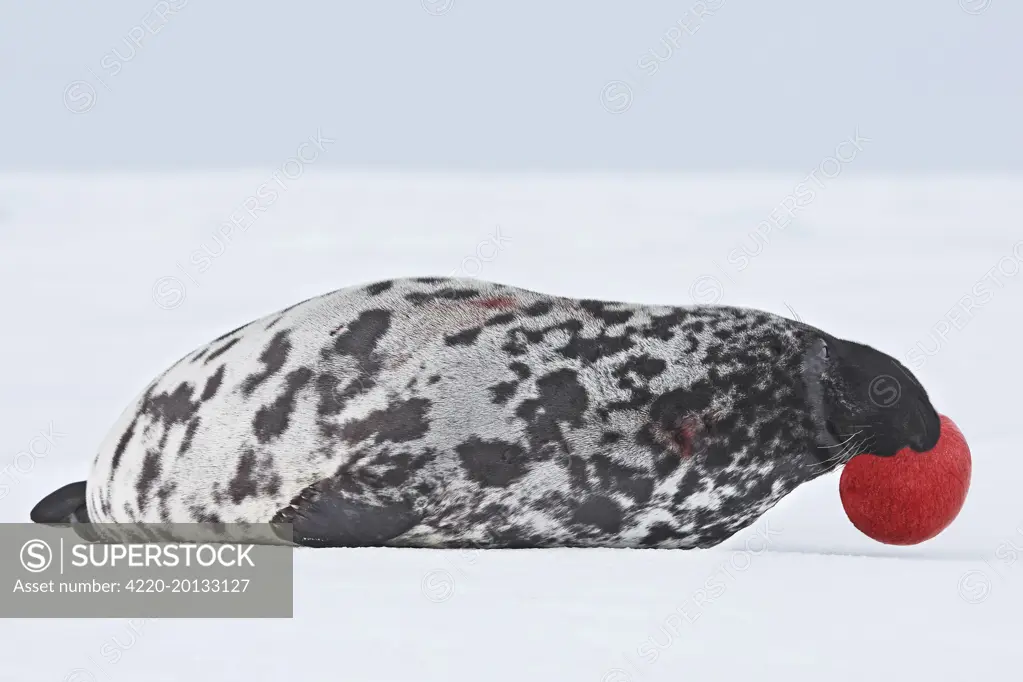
(101, 290)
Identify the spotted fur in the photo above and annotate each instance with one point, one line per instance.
(464, 413)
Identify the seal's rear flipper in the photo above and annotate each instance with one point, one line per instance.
(323, 516)
(62, 506)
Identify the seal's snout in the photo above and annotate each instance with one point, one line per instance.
(873, 400)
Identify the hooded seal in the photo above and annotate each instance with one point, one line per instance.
(438, 412)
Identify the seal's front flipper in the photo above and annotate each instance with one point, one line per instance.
(62, 506)
(324, 515)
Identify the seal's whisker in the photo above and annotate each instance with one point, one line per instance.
(843, 442)
(844, 454)
(827, 463)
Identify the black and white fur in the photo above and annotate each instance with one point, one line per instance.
(450, 412)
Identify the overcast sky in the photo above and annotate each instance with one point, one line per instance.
(530, 84)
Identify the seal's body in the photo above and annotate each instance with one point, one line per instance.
(443, 413)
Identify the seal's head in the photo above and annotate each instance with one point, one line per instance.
(751, 405)
(863, 400)
(757, 396)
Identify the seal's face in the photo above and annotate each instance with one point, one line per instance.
(865, 401)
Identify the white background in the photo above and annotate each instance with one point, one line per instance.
(879, 259)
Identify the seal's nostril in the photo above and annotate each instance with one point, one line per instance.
(920, 438)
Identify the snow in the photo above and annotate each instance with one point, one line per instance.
(92, 314)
